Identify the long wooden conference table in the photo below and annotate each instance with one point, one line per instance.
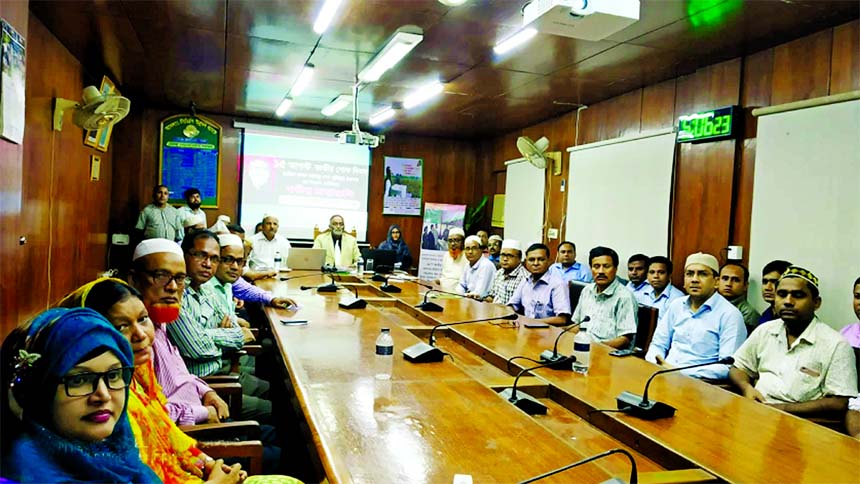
(433, 421)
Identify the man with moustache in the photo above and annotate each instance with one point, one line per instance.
(159, 219)
(542, 297)
(192, 212)
(702, 327)
(494, 247)
(477, 279)
(158, 272)
(341, 248)
(453, 262)
(566, 265)
(661, 291)
(266, 244)
(797, 363)
(241, 288)
(510, 275)
(609, 306)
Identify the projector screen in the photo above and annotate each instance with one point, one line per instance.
(302, 177)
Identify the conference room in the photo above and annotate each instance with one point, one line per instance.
(359, 132)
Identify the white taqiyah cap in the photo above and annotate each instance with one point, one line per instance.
(230, 239)
(511, 244)
(156, 246)
(471, 238)
(193, 219)
(496, 237)
(706, 260)
(224, 218)
(456, 231)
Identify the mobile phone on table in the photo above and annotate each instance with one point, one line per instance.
(536, 325)
(627, 352)
(294, 322)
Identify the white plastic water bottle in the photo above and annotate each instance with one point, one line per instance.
(384, 355)
(582, 351)
(278, 261)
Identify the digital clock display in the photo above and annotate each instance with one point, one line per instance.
(707, 125)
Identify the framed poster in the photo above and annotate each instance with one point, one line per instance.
(190, 156)
(100, 138)
(13, 84)
(403, 187)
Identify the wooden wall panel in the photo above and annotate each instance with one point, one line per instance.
(801, 68)
(658, 106)
(845, 61)
(613, 118)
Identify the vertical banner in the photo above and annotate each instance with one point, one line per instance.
(439, 218)
(403, 187)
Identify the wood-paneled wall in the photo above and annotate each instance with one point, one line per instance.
(712, 199)
(47, 193)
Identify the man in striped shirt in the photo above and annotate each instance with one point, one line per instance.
(510, 275)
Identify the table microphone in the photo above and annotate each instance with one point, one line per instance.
(429, 306)
(331, 287)
(551, 356)
(643, 408)
(429, 353)
(386, 287)
(527, 403)
(634, 475)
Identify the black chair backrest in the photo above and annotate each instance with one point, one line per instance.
(575, 291)
(647, 324)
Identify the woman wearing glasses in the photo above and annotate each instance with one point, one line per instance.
(64, 414)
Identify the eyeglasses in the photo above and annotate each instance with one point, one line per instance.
(201, 256)
(163, 278)
(84, 384)
(230, 260)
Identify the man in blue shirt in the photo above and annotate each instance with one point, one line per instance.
(637, 273)
(700, 328)
(477, 278)
(660, 291)
(542, 296)
(566, 266)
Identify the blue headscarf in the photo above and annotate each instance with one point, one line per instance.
(400, 248)
(63, 338)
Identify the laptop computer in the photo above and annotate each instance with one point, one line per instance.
(305, 259)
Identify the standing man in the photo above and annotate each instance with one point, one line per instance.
(453, 262)
(192, 210)
(159, 220)
(341, 248)
(700, 328)
(543, 296)
(510, 275)
(610, 307)
(266, 244)
(770, 275)
(477, 278)
(797, 363)
(566, 265)
(484, 237)
(494, 247)
(734, 282)
(661, 291)
(637, 269)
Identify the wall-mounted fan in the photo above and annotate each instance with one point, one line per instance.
(95, 112)
(535, 153)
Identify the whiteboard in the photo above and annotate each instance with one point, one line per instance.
(620, 195)
(806, 201)
(524, 199)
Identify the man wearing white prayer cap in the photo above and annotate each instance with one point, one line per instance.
(454, 263)
(477, 278)
(228, 271)
(702, 327)
(193, 222)
(494, 247)
(510, 274)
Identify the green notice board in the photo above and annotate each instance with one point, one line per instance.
(190, 156)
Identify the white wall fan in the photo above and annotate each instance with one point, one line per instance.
(95, 112)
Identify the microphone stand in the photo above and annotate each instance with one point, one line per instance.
(634, 475)
(528, 404)
(560, 362)
(428, 353)
(429, 306)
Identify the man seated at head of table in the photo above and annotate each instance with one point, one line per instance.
(543, 296)
(608, 305)
(341, 248)
(701, 327)
(797, 363)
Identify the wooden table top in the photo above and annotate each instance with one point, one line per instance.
(331, 362)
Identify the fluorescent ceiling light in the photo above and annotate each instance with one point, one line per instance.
(400, 44)
(382, 115)
(326, 15)
(339, 103)
(423, 94)
(453, 3)
(515, 40)
(303, 80)
(284, 107)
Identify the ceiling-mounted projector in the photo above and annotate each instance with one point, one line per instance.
(359, 138)
(581, 19)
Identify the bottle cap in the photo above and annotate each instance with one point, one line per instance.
(385, 330)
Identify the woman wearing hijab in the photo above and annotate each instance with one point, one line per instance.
(65, 409)
(395, 242)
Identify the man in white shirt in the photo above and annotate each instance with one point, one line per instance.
(477, 279)
(267, 244)
(453, 261)
(191, 212)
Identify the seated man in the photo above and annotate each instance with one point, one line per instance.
(661, 292)
(510, 275)
(637, 273)
(611, 309)
(341, 248)
(244, 290)
(770, 275)
(494, 246)
(453, 262)
(477, 279)
(797, 363)
(701, 327)
(158, 272)
(734, 281)
(543, 296)
(267, 244)
(566, 265)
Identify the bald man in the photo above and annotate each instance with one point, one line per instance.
(266, 244)
(341, 248)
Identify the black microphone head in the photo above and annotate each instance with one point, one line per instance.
(586, 319)
(728, 360)
(510, 317)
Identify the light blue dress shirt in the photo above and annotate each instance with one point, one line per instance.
(544, 298)
(669, 294)
(576, 272)
(684, 338)
(478, 278)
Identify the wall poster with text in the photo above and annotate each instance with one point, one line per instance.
(403, 187)
(439, 219)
